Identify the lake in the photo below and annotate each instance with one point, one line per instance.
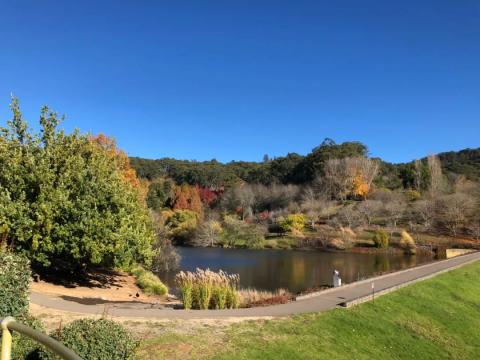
(290, 269)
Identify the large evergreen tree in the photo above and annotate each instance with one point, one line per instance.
(69, 198)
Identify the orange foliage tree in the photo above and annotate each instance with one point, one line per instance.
(361, 188)
(186, 197)
(109, 145)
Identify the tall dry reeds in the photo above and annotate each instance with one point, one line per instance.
(253, 296)
(407, 243)
(206, 289)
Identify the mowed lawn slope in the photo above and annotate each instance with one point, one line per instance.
(434, 319)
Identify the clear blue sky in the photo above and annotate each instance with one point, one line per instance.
(238, 79)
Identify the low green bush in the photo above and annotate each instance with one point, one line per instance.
(294, 223)
(381, 239)
(148, 281)
(96, 339)
(15, 276)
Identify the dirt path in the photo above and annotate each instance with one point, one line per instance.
(320, 302)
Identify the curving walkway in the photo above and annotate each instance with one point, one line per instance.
(321, 301)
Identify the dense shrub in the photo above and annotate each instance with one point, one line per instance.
(14, 300)
(343, 243)
(22, 346)
(413, 195)
(181, 225)
(205, 289)
(381, 239)
(236, 232)
(14, 284)
(69, 198)
(293, 223)
(149, 282)
(96, 339)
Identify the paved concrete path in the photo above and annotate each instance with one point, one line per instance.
(322, 301)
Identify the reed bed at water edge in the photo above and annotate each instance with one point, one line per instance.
(206, 289)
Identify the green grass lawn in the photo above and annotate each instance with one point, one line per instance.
(435, 319)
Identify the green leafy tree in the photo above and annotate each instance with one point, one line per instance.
(181, 225)
(313, 164)
(236, 232)
(65, 200)
(160, 193)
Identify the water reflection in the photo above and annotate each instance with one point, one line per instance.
(289, 269)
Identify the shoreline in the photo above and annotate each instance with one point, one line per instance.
(323, 301)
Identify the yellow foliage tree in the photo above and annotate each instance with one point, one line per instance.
(361, 188)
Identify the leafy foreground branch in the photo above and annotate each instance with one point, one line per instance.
(434, 319)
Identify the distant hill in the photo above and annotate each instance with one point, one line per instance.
(294, 168)
(464, 162)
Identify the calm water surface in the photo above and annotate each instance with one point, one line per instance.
(290, 269)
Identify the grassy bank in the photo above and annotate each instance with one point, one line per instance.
(435, 319)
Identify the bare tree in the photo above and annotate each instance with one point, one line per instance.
(474, 228)
(274, 197)
(368, 169)
(310, 205)
(348, 216)
(341, 175)
(424, 212)
(316, 205)
(395, 211)
(338, 178)
(455, 210)
(463, 185)
(436, 176)
(240, 199)
(418, 175)
(369, 209)
(208, 234)
(166, 257)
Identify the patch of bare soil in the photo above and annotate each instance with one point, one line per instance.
(101, 288)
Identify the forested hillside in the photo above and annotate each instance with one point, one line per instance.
(335, 196)
(465, 162)
(298, 169)
(290, 169)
